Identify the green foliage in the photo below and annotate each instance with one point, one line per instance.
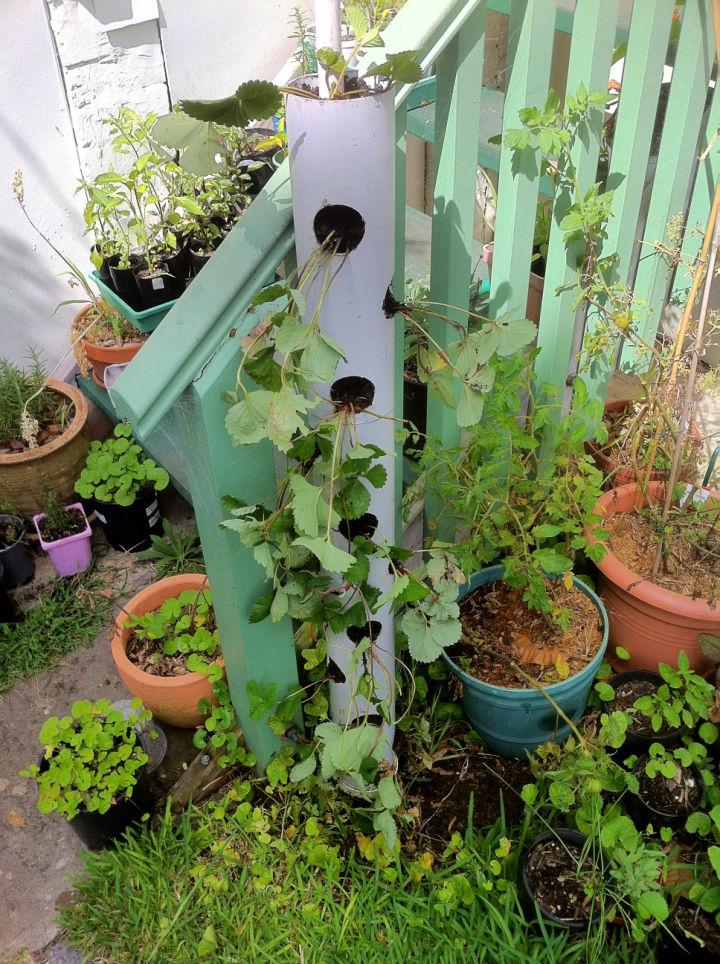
(115, 470)
(17, 388)
(253, 100)
(93, 758)
(184, 625)
(220, 733)
(519, 495)
(684, 699)
(57, 518)
(69, 615)
(175, 553)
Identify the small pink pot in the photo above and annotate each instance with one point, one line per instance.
(71, 555)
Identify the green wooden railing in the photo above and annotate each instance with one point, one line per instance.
(193, 355)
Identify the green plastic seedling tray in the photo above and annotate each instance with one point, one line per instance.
(145, 321)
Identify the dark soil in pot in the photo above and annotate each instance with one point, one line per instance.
(75, 523)
(663, 801)
(555, 875)
(629, 687)
(129, 528)
(704, 944)
(157, 286)
(55, 416)
(15, 557)
(123, 281)
(499, 630)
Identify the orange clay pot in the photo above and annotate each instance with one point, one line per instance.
(171, 699)
(98, 355)
(651, 623)
(616, 474)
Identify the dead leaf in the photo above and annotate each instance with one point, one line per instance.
(16, 819)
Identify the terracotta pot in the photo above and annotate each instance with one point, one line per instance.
(617, 474)
(653, 624)
(26, 476)
(100, 357)
(171, 699)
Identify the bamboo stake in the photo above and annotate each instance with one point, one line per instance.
(690, 390)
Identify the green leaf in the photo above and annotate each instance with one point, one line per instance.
(303, 769)
(262, 698)
(319, 360)
(354, 499)
(515, 335)
(376, 476)
(428, 637)
(388, 793)
(309, 508)
(247, 421)
(253, 100)
(200, 144)
(470, 406)
(551, 561)
(652, 905)
(384, 824)
(714, 857)
(331, 60)
(400, 68)
(331, 558)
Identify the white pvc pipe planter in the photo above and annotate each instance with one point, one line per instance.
(342, 152)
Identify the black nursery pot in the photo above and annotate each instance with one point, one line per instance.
(100, 830)
(644, 811)
(635, 741)
(103, 270)
(528, 901)
(128, 528)
(123, 281)
(16, 560)
(158, 288)
(198, 260)
(8, 613)
(415, 411)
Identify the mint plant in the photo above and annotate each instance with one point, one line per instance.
(183, 625)
(91, 758)
(115, 470)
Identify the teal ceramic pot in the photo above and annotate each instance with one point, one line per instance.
(515, 722)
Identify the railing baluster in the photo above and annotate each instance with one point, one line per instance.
(518, 182)
(642, 75)
(590, 54)
(691, 73)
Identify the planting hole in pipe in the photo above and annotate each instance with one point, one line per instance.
(365, 526)
(356, 634)
(342, 226)
(335, 674)
(352, 392)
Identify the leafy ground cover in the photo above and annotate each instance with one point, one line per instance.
(67, 616)
(243, 882)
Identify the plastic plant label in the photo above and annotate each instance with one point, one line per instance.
(699, 493)
(101, 517)
(152, 508)
(153, 519)
(158, 284)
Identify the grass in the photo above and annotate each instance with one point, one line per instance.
(70, 614)
(232, 891)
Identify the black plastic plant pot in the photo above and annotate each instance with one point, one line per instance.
(123, 281)
(415, 411)
(8, 613)
(178, 266)
(565, 847)
(128, 528)
(100, 830)
(159, 287)
(16, 559)
(198, 260)
(638, 739)
(644, 810)
(678, 945)
(103, 270)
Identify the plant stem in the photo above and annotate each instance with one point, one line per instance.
(690, 389)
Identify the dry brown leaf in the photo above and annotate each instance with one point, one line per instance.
(16, 819)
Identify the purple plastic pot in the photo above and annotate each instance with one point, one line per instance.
(72, 554)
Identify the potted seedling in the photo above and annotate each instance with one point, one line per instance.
(43, 434)
(671, 785)
(122, 486)
(534, 633)
(166, 648)
(92, 770)
(15, 556)
(65, 535)
(556, 878)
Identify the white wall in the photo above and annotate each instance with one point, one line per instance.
(35, 135)
(233, 41)
(62, 70)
